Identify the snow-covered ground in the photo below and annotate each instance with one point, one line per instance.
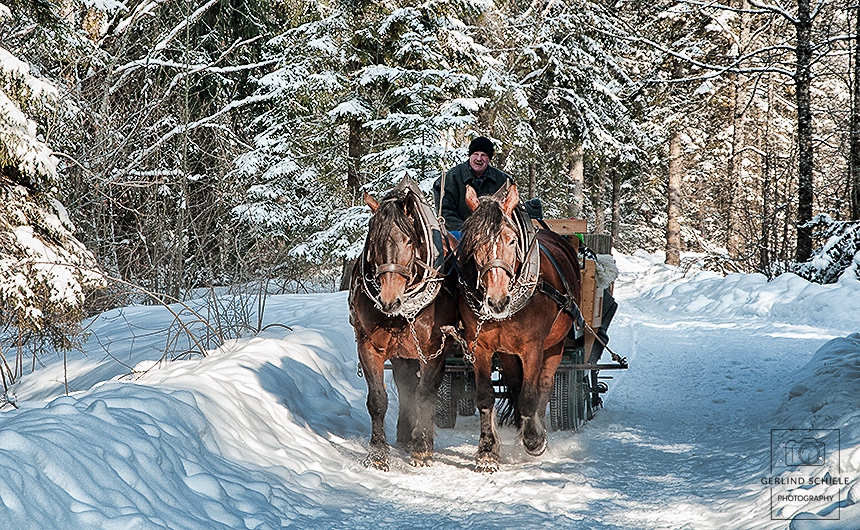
(270, 431)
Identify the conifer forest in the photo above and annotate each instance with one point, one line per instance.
(152, 148)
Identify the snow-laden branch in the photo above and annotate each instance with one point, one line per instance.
(190, 69)
(205, 122)
(144, 9)
(211, 67)
(761, 8)
(716, 70)
(186, 22)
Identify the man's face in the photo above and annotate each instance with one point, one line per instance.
(479, 161)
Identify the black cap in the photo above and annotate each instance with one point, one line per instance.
(482, 144)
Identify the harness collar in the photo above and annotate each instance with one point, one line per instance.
(422, 292)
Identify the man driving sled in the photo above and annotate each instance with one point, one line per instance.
(478, 173)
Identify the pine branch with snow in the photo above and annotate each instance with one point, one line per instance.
(44, 271)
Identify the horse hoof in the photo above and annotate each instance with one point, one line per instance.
(376, 462)
(487, 464)
(422, 459)
(536, 449)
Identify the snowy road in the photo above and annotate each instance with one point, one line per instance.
(270, 431)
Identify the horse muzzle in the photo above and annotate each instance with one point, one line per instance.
(496, 277)
(498, 308)
(393, 279)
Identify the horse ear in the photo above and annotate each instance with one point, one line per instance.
(471, 198)
(511, 200)
(370, 201)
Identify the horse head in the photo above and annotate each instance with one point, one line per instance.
(491, 240)
(390, 250)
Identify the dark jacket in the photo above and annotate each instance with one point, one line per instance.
(454, 208)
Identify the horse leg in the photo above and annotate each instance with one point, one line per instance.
(425, 408)
(406, 379)
(487, 459)
(538, 368)
(552, 359)
(377, 405)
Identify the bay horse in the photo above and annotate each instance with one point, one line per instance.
(402, 310)
(517, 299)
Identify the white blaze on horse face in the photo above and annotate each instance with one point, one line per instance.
(498, 280)
(392, 285)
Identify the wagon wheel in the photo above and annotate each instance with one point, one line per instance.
(560, 413)
(446, 412)
(466, 405)
(570, 402)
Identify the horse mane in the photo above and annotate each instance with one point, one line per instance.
(480, 227)
(392, 211)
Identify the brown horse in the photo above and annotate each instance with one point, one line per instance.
(517, 298)
(401, 309)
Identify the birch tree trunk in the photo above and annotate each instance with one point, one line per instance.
(576, 180)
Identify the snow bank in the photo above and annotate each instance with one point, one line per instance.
(702, 294)
(824, 396)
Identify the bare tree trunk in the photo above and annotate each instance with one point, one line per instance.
(767, 226)
(802, 82)
(616, 204)
(599, 211)
(673, 227)
(576, 181)
(532, 180)
(353, 178)
(854, 158)
(735, 213)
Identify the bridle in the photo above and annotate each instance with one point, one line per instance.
(498, 263)
(407, 271)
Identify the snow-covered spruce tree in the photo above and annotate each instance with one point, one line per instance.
(838, 256)
(364, 93)
(571, 94)
(45, 272)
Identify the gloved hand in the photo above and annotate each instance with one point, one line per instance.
(534, 208)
